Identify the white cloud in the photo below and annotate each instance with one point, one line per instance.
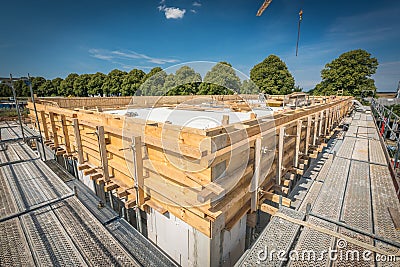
(173, 12)
(116, 56)
(196, 3)
(193, 11)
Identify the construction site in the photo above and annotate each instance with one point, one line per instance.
(198, 181)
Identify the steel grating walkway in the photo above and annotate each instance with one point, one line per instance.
(349, 184)
(11, 131)
(42, 223)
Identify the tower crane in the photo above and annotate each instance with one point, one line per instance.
(264, 7)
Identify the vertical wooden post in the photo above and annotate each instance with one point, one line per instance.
(297, 148)
(308, 134)
(44, 124)
(316, 122)
(78, 141)
(65, 133)
(256, 176)
(138, 169)
(53, 129)
(326, 121)
(103, 152)
(320, 124)
(280, 154)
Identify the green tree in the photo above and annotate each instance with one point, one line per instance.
(67, 86)
(351, 72)
(21, 88)
(249, 87)
(272, 76)
(132, 81)
(5, 90)
(220, 80)
(95, 84)
(56, 85)
(47, 89)
(154, 82)
(36, 85)
(113, 83)
(185, 82)
(81, 85)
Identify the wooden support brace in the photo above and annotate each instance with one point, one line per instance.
(96, 176)
(89, 171)
(314, 142)
(275, 198)
(320, 123)
(103, 152)
(130, 204)
(78, 141)
(53, 129)
(110, 186)
(155, 206)
(44, 125)
(60, 152)
(308, 133)
(83, 167)
(122, 193)
(298, 140)
(268, 209)
(100, 181)
(138, 169)
(65, 133)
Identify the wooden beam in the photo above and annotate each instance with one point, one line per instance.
(138, 169)
(83, 167)
(155, 206)
(78, 141)
(110, 186)
(268, 209)
(96, 176)
(316, 122)
(320, 123)
(65, 133)
(103, 152)
(308, 134)
(53, 129)
(130, 203)
(122, 193)
(44, 125)
(298, 140)
(60, 152)
(89, 171)
(275, 198)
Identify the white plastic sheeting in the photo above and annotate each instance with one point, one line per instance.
(192, 118)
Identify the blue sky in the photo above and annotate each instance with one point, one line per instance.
(54, 38)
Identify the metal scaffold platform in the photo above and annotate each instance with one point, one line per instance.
(347, 195)
(43, 223)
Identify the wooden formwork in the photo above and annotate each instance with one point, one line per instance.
(179, 169)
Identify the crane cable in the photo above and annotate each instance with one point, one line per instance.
(298, 31)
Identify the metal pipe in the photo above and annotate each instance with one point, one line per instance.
(17, 106)
(137, 210)
(37, 117)
(382, 239)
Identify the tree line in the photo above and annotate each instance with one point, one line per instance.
(351, 72)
